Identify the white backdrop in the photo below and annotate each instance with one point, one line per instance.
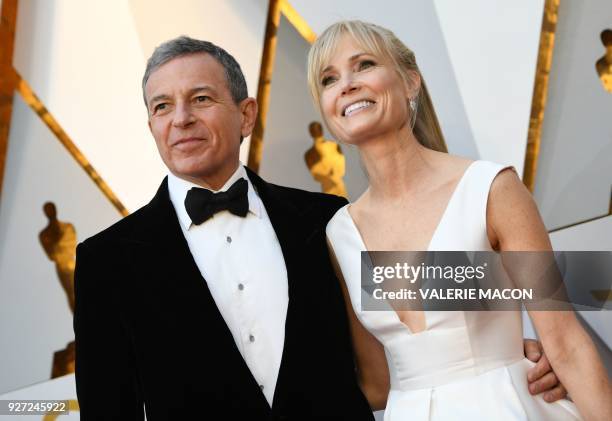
(574, 178)
(85, 61)
(35, 320)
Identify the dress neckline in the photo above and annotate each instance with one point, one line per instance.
(404, 327)
(442, 218)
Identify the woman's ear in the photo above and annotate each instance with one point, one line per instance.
(412, 84)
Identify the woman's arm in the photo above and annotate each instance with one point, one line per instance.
(372, 370)
(514, 224)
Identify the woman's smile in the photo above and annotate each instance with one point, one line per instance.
(357, 107)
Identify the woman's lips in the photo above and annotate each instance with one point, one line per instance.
(357, 107)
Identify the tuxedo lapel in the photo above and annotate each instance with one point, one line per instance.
(284, 217)
(158, 244)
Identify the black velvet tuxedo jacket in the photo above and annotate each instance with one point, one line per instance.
(148, 331)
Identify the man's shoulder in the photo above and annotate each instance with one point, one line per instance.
(298, 197)
(309, 196)
(122, 229)
(325, 203)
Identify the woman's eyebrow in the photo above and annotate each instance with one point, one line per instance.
(351, 58)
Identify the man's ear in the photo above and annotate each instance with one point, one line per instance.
(248, 115)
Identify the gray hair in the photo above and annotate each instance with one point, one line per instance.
(184, 45)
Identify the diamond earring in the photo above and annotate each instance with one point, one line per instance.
(413, 104)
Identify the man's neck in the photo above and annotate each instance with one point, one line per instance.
(212, 182)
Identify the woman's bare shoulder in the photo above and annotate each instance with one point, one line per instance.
(450, 168)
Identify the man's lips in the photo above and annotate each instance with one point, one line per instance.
(187, 141)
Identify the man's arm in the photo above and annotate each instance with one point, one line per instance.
(106, 380)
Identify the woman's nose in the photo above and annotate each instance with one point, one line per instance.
(349, 85)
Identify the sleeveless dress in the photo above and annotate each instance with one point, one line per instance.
(465, 365)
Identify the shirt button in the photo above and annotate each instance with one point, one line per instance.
(228, 239)
(261, 386)
(240, 287)
(251, 338)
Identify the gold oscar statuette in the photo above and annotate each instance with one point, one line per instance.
(326, 162)
(604, 64)
(59, 240)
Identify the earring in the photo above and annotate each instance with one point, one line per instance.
(413, 104)
(413, 111)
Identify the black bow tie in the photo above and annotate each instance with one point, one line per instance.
(201, 204)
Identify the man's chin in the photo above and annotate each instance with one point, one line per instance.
(199, 173)
(193, 166)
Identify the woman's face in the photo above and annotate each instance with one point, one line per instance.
(362, 95)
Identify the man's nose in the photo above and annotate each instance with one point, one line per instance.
(183, 115)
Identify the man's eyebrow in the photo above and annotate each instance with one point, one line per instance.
(351, 58)
(159, 98)
(165, 97)
(205, 88)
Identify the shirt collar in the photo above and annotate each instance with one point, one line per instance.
(178, 188)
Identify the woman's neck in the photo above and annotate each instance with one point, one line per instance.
(395, 163)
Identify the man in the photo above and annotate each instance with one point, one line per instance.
(221, 305)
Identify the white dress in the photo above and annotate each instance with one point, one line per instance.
(464, 365)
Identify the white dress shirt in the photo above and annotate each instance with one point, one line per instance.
(242, 263)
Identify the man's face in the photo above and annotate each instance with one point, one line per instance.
(194, 120)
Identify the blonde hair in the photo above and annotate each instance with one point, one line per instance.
(382, 42)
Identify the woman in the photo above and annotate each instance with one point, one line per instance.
(441, 365)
